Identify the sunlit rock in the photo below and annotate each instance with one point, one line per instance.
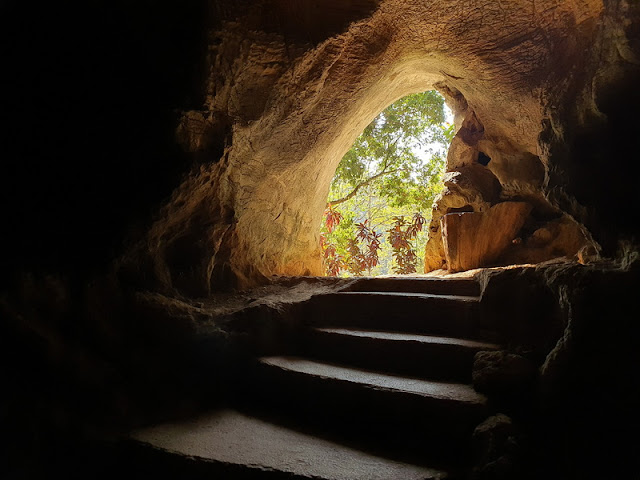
(477, 239)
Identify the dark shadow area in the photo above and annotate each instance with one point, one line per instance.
(602, 175)
(483, 159)
(91, 95)
(310, 22)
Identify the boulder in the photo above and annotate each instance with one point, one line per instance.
(476, 239)
(469, 188)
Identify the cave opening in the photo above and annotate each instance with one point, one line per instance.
(268, 191)
(384, 187)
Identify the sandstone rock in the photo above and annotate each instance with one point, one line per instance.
(455, 100)
(560, 237)
(296, 94)
(464, 146)
(477, 239)
(477, 184)
(500, 373)
(494, 431)
(470, 188)
(525, 290)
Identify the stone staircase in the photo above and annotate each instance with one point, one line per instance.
(375, 384)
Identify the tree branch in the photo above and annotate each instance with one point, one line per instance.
(353, 192)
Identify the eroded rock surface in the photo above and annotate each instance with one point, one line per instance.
(282, 109)
(468, 188)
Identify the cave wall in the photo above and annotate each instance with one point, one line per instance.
(567, 373)
(287, 107)
(189, 148)
(587, 134)
(196, 144)
(90, 96)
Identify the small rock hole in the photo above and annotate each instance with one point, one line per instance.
(483, 159)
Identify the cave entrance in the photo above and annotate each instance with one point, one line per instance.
(383, 189)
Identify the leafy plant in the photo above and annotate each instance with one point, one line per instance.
(386, 154)
(333, 261)
(394, 168)
(365, 258)
(400, 237)
(332, 218)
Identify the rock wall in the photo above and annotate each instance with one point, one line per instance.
(187, 147)
(284, 107)
(196, 145)
(567, 374)
(575, 101)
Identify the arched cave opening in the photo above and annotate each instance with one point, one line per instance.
(264, 199)
(383, 190)
(272, 181)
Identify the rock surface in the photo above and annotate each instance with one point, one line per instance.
(495, 446)
(500, 372)
(470, 188)
(477, 239)
(559, 237)
(290, 108)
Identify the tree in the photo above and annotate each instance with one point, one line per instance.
(386, 153)
(393, 170)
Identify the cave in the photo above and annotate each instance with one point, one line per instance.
(165, 169)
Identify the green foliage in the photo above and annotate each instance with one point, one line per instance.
(389, 149)
(401, 236)
(393, 170)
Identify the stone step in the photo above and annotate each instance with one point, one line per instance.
(387, 412)
(444, 315)
(435, 285)
(426, 356)
(230, 444)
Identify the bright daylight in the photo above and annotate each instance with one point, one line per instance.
(381, 195)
